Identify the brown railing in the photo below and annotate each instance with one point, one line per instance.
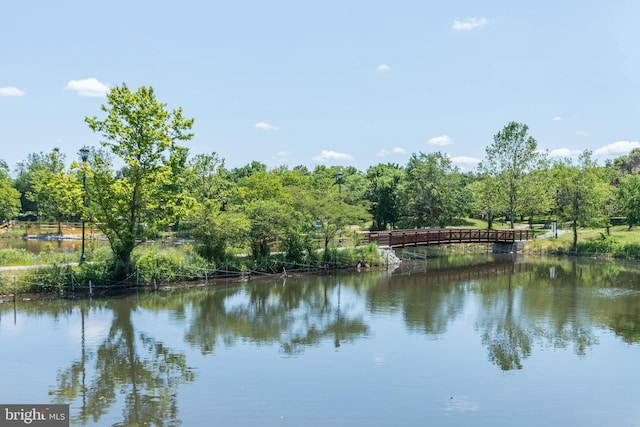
(444, 236)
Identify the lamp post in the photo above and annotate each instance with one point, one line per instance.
(339, 181)
(555, 232)
(84, 155)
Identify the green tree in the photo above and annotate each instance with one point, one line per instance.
(23, 183)
(383, 194)
(269, 220)
(628, 164)
(629, 198)
(433, 192)
(539, 194)
(582, 193)
(511, 157)
(336, 202)
(260, 185)
(37, 167)
(9, 196)
(485, 200)
(142, 198)
(207, 178)
(247, 170)
(56, 193)
(214, 226)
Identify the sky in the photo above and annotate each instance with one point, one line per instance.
(349, 82)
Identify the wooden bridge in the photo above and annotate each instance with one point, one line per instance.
(444, 236)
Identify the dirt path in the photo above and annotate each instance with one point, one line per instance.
(32, 267)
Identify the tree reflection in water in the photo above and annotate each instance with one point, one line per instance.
(127, 364)
(517, 304)
(295, 315)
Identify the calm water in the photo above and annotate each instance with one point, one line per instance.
(456, 341)
(35, 246)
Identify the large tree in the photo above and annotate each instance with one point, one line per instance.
(511, 157)
(142, 198)
(383, 194)
(485, 200)
(583, 193)
(57, 192)
(41, 181)
(433, 191)
(629, 198)
(215, 225)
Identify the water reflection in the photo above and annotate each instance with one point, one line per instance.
(514, 307)
(294, 315)
(36, 246)
(128, 365)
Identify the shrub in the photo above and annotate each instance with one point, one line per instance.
(169, 264)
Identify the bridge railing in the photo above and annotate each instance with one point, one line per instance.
(437, 236)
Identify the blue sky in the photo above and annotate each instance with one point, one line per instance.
(333, 82)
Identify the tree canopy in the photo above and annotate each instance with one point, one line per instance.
(140, 199)
(142, 181)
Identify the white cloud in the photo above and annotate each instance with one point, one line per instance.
(464, 162)
(557, 119)
(563, 153)
(88, 87)
(469, 24)
(266, 126)
(440, 140)
(582, 133)
(396, 150)
(326, 155)
(617, 148)
(383, 68)
(11, 91)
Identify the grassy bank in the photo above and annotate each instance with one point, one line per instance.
(158, 265)
(619, 243)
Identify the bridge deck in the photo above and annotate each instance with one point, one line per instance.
(444, 236)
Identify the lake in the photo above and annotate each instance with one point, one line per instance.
(457, 340)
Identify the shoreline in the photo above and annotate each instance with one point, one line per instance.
(83, 292)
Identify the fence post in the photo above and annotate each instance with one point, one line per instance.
(15, 287)
(90, 289)
(206, 277)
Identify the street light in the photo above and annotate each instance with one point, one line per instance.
(555, 232)
(339, 181)
(84, 156)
